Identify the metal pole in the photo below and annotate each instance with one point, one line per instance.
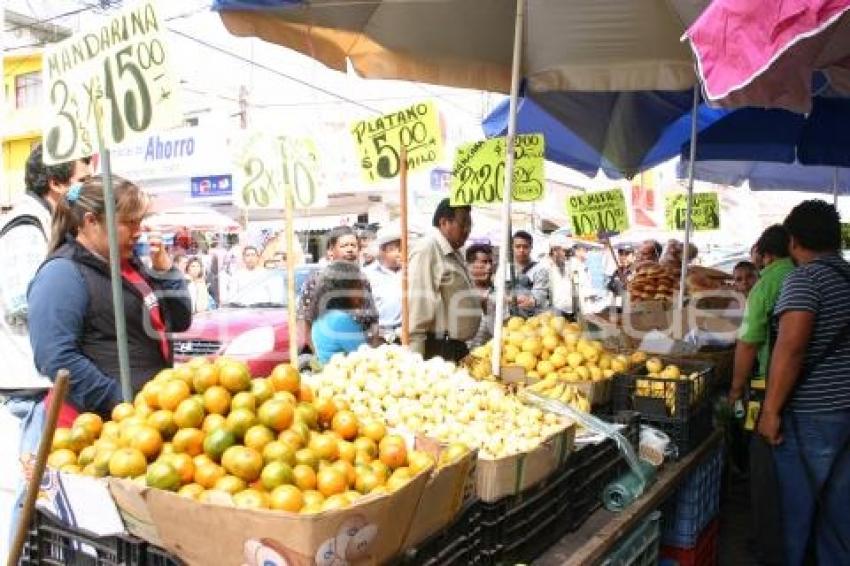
(509, 185)
(688, 219)
(115, 276)
(405, 284)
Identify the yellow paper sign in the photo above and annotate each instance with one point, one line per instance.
(379, 141)
(478, 176)
(119, 69)
(705, 211)
(600, 212)
(268, 167)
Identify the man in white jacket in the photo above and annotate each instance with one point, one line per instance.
(560, 279)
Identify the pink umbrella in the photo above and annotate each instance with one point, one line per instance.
(757, 53)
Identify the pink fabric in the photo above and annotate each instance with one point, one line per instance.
(763, 53)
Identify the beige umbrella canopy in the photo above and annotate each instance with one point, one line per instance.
(593, 45)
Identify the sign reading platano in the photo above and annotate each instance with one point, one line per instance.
(270, 167)
(117, 73)
(593, 213)
(380, 141)
(478, 176)
(705, 211)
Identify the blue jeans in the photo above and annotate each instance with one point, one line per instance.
(31, 414)
(818, 448)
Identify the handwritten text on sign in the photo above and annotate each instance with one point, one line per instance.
(269, 167)
(379, 141)
(593, 213)
(119, 69)
(705, 212)
(478, 176)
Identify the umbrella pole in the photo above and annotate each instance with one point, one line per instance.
(508, 193)
(405, 284)
(688, 219)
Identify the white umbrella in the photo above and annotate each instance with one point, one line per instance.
(192, 218)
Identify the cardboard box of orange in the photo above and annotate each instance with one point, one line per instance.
(371, 531)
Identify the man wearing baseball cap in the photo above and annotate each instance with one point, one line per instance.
(560, 281)
(385, 277)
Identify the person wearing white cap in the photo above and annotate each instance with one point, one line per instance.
(560, 281)
(385, 277)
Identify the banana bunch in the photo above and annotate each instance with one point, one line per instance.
(562, 392)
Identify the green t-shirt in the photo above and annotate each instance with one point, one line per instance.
(755, 328)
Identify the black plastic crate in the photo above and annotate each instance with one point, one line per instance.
(585, 495)
(664, 397)
(50, 543)
(520, 528)
(685, 434)
(155, 556)
(458, 543)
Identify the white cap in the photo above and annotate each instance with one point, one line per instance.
(560, 241)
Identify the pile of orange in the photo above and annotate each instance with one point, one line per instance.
(210, 432)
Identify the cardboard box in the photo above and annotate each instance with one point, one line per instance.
(447, 491)
(370, 532)
(498, 478)
(596, 392)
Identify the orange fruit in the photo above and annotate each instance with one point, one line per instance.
(216, 442)
(262, 389)
(212, 422)
(373, 429)
(239, 421)
(189, 414)
(208, 475)
(291, 438)
(198, 362)
(91, 422)
(419, 461)
(346, 451)
(381, 469)
(217, 400)
(306, 457)
(366, 444)
(304, 477)
(452, 453)
(330, 481)
(251, 499)
(394, 455)
(284, 377)
(127, 463)
(143, 411)
(87, 455)
(391, 439)
(399, 478)
(184, 373)
(191, 491)
(111, 429)
(101, 460)
(163, 421)
(162, 475)
(242, 462)
(80, 438)
(244, 400)
(277, 451)
(167, 448)
(326, 410)
(61, 457)
(173, 393)
(202, 459)
(147, 440)
(91, 470)
(188, 440)
(366, 481)
(257, 437)
(71, 469)
(230, 484)
(324, 447)
(234, 376)
(61, 439)
(305, 393)
(122, 411)
(312, 497)
(362, 457)
(205, 377)
(276, 474)
(276, 414)
(347, 469)
(286, 498)
(164, 375)
(285, 396)
(307, 414)
(345, 424)
(335, 502)
(183, 464)
(150, 392)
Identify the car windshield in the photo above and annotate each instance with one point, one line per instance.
(262, 288)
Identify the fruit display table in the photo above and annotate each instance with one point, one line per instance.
(603, 530)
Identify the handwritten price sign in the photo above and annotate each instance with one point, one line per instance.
(478, 176)
(593, 213)
(379, 141)
(705, 212)
(119, 72)
(270, 167)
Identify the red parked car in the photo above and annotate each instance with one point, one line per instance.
(254, 332)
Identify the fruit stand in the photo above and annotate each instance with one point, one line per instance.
(379, 457)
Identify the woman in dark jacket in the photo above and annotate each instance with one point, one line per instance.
(72, 320)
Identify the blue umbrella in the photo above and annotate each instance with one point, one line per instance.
(621, 133)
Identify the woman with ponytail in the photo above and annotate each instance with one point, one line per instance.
(72, 319)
